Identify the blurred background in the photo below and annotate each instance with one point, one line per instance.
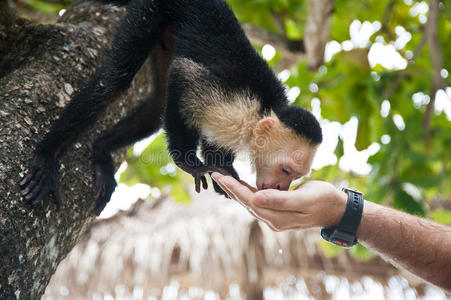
(376, 75)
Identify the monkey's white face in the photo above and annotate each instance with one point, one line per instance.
(278, 169)
(279, 155)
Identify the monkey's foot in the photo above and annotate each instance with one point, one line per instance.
(41, 180)
(104, 184)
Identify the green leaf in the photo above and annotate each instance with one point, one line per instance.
(441, 216)
(362, 253)
(339, 150)
(405, 202)
(363, 140)
(180, 193)
(294, 31)
(421, 175)
(329, 249)
(154, 167)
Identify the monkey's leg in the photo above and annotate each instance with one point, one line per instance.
(136, 36)
(143, 121)
(220, 158)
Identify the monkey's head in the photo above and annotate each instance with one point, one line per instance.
(285, 143)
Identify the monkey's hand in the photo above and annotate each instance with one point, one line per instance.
(41, 180)
(199, 172)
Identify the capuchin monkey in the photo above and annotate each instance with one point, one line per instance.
(210, 88)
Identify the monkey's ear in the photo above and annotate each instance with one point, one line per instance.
(266, 124)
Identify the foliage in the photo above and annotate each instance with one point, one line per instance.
(48, 7)
(155, 167)
(349, 87)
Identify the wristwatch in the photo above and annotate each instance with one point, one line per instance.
(344, 235)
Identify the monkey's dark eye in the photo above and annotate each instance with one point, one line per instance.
(286, 170)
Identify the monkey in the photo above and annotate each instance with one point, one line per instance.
(211, 89)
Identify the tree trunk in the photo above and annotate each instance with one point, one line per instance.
(41, 66)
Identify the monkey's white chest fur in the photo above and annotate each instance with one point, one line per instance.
(225, 120)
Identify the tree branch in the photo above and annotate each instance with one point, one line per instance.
(293, 51)
(317, 31)
(436, 61)
(7, 15)
(46, 64)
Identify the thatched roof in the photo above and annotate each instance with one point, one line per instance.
(161, 247)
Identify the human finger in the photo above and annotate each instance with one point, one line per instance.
(235, 189)
(280, 200)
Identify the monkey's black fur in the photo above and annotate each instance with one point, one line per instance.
(204, 31)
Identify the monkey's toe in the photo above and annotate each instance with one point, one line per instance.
(40, 181)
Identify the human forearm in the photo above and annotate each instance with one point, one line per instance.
(418, 245)
(415, 244)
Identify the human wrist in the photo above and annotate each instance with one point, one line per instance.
(336, 208)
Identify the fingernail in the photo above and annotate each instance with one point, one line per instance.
(260, 199)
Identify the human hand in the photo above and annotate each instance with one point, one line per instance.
(312, 204)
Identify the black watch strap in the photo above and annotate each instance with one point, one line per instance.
(344, 234)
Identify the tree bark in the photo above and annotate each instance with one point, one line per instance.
(41, 67)
(6, 14)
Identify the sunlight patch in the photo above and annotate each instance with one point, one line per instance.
(386, 56)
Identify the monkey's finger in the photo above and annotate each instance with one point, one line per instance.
(197, 183)
(204, 182)
(219, 190)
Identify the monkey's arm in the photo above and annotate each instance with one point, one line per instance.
(182, 139)
(135, 37)
(215, 156)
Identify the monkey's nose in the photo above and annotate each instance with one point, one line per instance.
(264, 186)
